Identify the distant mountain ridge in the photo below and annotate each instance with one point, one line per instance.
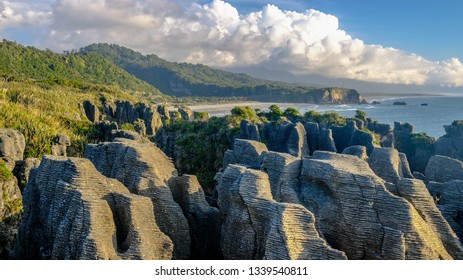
(187, 80)
(19, 62)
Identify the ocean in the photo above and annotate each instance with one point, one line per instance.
(440, 111)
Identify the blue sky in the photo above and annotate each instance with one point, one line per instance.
(398, 42)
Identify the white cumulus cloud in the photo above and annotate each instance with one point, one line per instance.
(22, 13)
(216, 34)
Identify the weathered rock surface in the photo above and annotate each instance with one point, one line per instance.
(449, 200)
(12, 145)
(405, 167)
(126, 134)
(249, 131)
(257, 227)
(71, 211)
(186, 113)
(386, 163)
(326, 141)
(61, 142)
(91, 111)
(245, 152)
(415, 192)
(358, 151)
(358, 215)
(27, 165)
(204, 220)
(350, 135)
(451, 144)
(127, 112)
(286, 137)
(283, 171)
(313, 132)
(145, 170)
(443, 169)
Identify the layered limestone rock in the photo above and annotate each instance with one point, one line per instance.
(443, 169)
(257, 227)
(286, 137)
(350, 135)
(326, 141)
(415, 192)
(359, 216)
(449, 200)
(60, 144)
(12, 145)
(10, 213)
(386, 163)
(71, 211)
(451, 144)
(145, 170)
(245, 152)
(283, 171)
(204, 220)
(358, 151)
(249, 131)
(186, 113)
(313, 132)
(91, 111)
(127, 112)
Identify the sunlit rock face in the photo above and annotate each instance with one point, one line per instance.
(71, 211)
(145, 170)
(354, 211)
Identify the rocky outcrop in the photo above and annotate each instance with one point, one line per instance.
(127, 112)
(415, 192)
(386, 163)
(449, 200)
(326, 141)
(405, 167)
(286, 137)
(10, 213)
(26, 167)
(245, 152)
(283, 171)
(359, 216)
(12, 145)
(91, 111)
(443, 169)
(257, 227)
(60, 144)
(186, 113)
(249, 131)
(126, 134)
(145, 170)
(71, 211)
(451, 144)
(313, 133)
(350, 135)
(204, 220)
(358, 151)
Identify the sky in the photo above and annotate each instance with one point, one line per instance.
(408, 42)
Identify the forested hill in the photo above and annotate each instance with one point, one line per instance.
(22, 63)
(184, 79)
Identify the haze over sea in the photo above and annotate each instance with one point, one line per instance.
(441, 110)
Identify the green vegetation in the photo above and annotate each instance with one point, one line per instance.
(200, 147)
(292, 113)
(359, 114)
(329, 118)
(128, 126)
(457, 123)
(5, 174)
(187, 80)
(422, 140)
(88, 71)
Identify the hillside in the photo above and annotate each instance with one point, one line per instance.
(186, 80)
(22, 63)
